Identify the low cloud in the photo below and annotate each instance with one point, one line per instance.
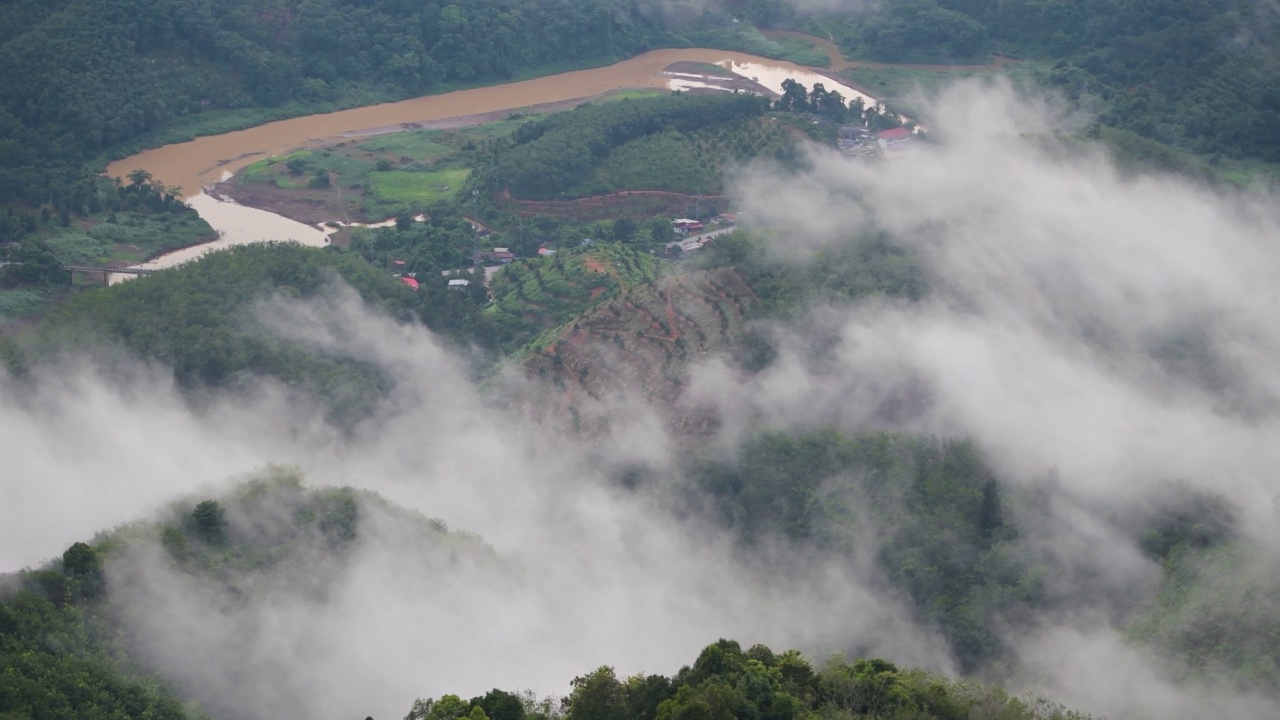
(585, 573)
(1117, 330)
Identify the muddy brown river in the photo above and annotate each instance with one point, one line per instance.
(192, 165)
(205, 161)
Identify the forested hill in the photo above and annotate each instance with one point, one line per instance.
(81, 76)
(96, 633)
(1201, 75)
(727, 683)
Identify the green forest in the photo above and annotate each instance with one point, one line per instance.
(87, 76)
(727, 682)
(65, 657)
(1198, 75)
(559, 155)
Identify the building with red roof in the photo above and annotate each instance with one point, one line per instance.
(894, 138)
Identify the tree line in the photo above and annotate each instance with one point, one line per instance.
(547, 157)
(1199, 75)
(83, 76)
(726, 682)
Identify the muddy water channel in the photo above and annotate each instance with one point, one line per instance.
(204, 161)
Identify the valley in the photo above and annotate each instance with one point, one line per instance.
(636, 360)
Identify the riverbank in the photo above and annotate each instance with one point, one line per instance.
(203, 163)
(198, 163)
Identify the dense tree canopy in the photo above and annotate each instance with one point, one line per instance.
(555, 155)
(729, 683)
(1201, 75)
(82, 76)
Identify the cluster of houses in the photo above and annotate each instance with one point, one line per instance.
(499, 255)
(688, 226)
(695, 232)
(856, 141)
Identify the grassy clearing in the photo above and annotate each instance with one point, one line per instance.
(422, 145)
(641, 93)
(382, 175)
(404, 186)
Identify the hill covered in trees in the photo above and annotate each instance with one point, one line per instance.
(1199, 75)
(727, 682)
(69, 637)
(86, 76)
(77, 641)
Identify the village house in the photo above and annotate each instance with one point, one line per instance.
(894, 139)
(684, 226)
(502, 255)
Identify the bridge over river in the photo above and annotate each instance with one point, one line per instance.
(107, 272)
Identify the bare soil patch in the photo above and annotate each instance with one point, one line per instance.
(310, 207)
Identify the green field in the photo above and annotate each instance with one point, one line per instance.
(640, 93)
(382, 175)
(404, 186)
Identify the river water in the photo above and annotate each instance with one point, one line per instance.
(200, 163)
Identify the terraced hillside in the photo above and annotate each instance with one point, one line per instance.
(640, 343)
(538, 295)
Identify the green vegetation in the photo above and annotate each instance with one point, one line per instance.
(416, 188)
(918, 31)
(89, 78)
(726, 682)
(1197, 75)
(63, 635)
(645, 141)
(60, 655)
(200, 320)
(87, 75)
(63, 643)
(904, 89)
(1169, 78)
(945, 541)
(871, 265)
(130, 221)
(676, 143)
(543, 293)
(745, 38)
(557, 155)
(1218, 610)
(377, 178)
(445, 241)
